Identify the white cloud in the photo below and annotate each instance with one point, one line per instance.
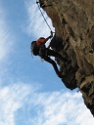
(41, 108)
(11, 99)
(63, 109)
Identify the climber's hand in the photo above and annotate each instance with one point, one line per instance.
(51, 34)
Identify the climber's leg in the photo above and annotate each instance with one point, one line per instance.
(55, 54)
(48, 59)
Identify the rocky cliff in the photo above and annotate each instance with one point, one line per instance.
(74, 40)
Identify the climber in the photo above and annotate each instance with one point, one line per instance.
(41, 2)
(38, 48)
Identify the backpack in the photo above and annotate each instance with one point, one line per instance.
(34, 48)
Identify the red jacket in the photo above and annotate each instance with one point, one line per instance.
(42, 41)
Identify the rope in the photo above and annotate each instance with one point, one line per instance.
(44, 18)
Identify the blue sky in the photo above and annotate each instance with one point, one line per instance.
(30, 91)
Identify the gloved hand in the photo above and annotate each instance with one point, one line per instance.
(51, 34)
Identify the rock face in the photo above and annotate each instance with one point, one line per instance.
(74, 40)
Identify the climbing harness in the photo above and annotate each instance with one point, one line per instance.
(44, 17)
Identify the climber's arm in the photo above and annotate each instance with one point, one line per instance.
(46, 39)
(42, 40)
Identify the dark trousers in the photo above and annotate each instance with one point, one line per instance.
(55, 54)
(45, 53)
(48, 59)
